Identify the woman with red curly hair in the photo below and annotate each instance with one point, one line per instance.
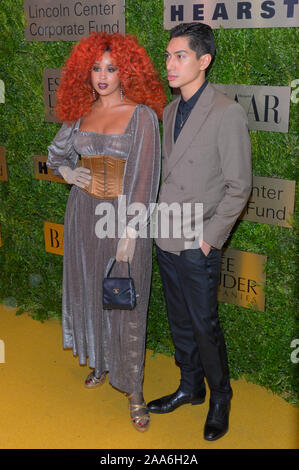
(108, 99)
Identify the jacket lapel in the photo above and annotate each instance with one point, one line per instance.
(168, 126)
(196, 119)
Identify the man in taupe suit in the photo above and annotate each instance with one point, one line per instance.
(206, 159)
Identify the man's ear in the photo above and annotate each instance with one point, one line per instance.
(205, 61)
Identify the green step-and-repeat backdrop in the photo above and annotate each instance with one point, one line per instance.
(256, 64)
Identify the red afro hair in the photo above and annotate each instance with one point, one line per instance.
(139, 79)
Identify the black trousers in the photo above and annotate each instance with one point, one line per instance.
(190, 283)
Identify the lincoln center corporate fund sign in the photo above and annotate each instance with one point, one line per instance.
(70, 20)
(233, 13)
(271, 202)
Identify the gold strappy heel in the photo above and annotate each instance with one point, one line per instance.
(137, 419)
(94, 382)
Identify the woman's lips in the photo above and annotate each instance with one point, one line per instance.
(102, 86)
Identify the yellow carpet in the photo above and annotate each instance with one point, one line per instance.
(44, 404)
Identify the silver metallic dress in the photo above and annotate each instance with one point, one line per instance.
(112, 340)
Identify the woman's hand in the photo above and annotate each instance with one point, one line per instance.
(79, 176)
(126, 245)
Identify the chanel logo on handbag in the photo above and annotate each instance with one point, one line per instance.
(118, 292)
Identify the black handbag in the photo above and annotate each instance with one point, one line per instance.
(118, 292)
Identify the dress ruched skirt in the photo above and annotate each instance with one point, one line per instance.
(110, 340)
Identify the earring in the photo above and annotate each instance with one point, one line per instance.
(94, 94)
(121, 94)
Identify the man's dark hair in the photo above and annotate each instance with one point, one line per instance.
(200, 36)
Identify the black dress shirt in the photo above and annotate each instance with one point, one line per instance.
(185, 108)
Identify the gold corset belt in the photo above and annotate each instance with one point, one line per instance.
(107, 175)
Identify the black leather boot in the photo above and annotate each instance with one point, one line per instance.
(217, 421)
(171, 402)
